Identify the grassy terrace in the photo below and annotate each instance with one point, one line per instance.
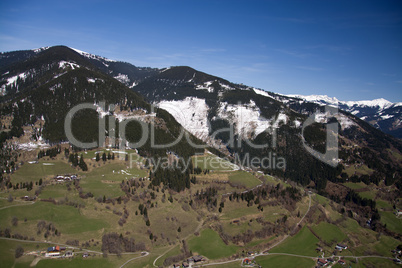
(67, 219)
(106, 179)
(87, 219)
(355, 185)
(393, 223)
(303, 243)
(209, 244)
(34, 172)
(244, 178)
(213, 162)
(363, 170)
(284, 261)
(329, 233)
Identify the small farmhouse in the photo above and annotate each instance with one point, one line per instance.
(341, 262)
(322, 262)
(341, 247)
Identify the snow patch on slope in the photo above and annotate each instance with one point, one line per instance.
(123, 78)
(226, 86)
(136, 114)
(246, 118)
(102, 113)
(261, 92)
(64, 64)
(32, 145)
(191, 113)
(139, 115)
(205, 86)
(343, 120)
(40, 49)
(91, 56)
(297, 123)
(274, 96)
(12, 81)
(387, 116)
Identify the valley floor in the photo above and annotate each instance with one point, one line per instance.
(230, 218)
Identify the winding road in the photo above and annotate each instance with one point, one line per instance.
(229, 261)
(23, 203)
(293, 255)
(271, 247)
(196, 230)
(145, 253)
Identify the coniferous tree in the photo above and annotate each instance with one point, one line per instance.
(75, 160)
(82, 164)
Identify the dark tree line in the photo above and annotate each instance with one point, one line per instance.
(116, 244)
(78, 161)
(175, 177)
(52, 152)
(354, 197)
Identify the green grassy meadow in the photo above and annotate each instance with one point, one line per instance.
(245, 179)
(303, 243)
(284, 261)
(393, 223)
(209, 244)
(88, 219)
(213, 162)
(329, 233)
(67, 219)
(355, 185)
(34, 172)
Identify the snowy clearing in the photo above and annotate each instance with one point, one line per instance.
(191, 113)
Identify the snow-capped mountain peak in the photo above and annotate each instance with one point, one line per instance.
(381, 113)
(381, 103)
(324, 99)
(91, 56)
(320, 99)
(40, 49)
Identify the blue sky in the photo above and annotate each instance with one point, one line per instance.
(351, 50)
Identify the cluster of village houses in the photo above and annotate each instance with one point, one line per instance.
(58, 252)
(398, 212)
(189, 261)
(68, 177)
(397, 253)
(324, 262)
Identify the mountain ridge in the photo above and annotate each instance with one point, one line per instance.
(380, 113)
(238, 117)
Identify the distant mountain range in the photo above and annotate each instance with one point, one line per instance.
(44, 84)
(380, 113)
